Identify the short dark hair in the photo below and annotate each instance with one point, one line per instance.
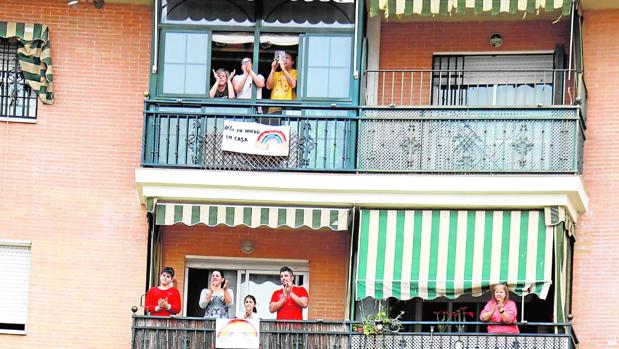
(168, 270)
(283, 269)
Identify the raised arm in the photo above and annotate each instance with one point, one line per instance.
(270, 79)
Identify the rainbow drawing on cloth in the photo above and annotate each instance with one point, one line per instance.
(238, 327)
(271, 136)
(274, 138)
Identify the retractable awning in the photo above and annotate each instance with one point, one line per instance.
(33, 55)
(399, 8)
(251, 216)
(433, 253)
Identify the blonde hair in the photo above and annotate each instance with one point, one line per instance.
(222, 70)
(504, 288)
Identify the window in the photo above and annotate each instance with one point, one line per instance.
(258, 277)
(328, 66)
(15, 264)
(185, 63)
(198, 37)
(501, 80)
(17, 99)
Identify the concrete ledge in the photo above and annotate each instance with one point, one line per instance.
(366, 190)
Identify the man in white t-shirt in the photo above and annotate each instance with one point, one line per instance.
(243, 84)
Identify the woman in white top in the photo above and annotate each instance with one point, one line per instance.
(250, 308)
(218, 297)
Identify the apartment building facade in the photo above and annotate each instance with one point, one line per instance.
(432, 149)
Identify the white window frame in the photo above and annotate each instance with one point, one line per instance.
(246, 266)
(16, 273)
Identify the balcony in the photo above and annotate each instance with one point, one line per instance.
(413, 121)
(184, 333)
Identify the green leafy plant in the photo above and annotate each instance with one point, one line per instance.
(380, 322)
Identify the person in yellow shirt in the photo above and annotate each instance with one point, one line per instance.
(283, 81)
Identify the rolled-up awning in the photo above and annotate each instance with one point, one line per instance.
(251, 216)
(433, 253)
(400, 8)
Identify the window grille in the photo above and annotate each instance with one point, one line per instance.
(17, 99)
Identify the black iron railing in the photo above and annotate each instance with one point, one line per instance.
(185, 333)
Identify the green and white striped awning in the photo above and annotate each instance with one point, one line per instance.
(433, 253)
(251, 216)
(403, 8)
(34, 56)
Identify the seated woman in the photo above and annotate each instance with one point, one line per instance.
(163, 300)
(217, 298)
(501, 310)
(250, 308)
(222, 88)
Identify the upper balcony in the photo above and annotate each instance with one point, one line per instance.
(516, 127)
(468, 107)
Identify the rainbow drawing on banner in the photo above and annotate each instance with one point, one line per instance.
(271, 136)
(275, 137)
(238, 327)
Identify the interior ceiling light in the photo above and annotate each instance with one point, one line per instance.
(72, 2)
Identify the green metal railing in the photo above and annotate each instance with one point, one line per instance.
(190, 135)
(185, 333)
(544, 140)
(471, 140)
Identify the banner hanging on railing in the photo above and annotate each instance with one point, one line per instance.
(237, 333)
(255, 138)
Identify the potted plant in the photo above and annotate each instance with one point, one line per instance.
(379, 323)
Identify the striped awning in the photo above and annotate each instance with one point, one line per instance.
(402, 8)
(433, 253)
(251, 216)
(34, 56)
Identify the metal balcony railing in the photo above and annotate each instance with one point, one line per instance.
(471, 140)
(543, 140)
(185, 333)
(479, 88)
(190, 135)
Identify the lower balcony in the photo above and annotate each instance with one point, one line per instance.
(185, 333)
(429, 140)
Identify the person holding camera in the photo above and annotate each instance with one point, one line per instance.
(217, 298)
(289, 301)
(282, 80)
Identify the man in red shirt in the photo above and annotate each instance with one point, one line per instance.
(289, 301)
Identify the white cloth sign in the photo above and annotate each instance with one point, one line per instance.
(254, 138)
(237, 333)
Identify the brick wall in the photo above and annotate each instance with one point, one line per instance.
(326, 250)
(411, 46)
(67, 182)
(596, 260)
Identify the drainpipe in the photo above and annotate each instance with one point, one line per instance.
(156, 37)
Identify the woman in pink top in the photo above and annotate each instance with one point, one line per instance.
(501, 310)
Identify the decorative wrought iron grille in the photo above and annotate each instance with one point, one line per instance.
(17, 100)
(471, 141)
